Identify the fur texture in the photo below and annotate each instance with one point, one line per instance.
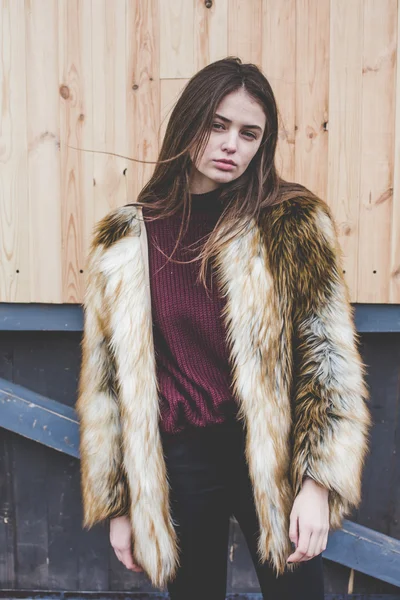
(297, 374)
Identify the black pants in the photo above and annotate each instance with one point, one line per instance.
(209, 481)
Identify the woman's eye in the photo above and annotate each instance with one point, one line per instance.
(248, 133)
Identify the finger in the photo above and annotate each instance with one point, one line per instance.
(302, 546)
(320, 544)
(129, 562)
(118, 554)
(314, 545)
(293, 529)
(127, 558)
(325, 541)
(137, 567)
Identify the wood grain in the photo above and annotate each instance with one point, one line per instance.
(85, 79)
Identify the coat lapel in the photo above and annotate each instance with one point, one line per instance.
(256, 332)
(145, 251)
(124, 266)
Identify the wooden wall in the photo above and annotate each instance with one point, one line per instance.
(104, 74)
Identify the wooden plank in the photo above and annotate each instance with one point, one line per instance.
(75, 75)
(365, 550)
(59, 360)
(7, 513)
(15, 254)
(92, 595)
(48, 364)
(394, 281)
(380, 475)
(312, 94)
(39, 418)
(30, 497)
(210, 32)
(50, 595)
(43, 526)
(31, 489)
(176, 33)
(230, 557)
(76, 110)
(142, 93)
(40, 317)
(7, 505)
(244, 30)
(377, 318)
(244, 578)
(64, 522)
(394, 499)
(279, 66)
(368, 318)
(94, 549)
(344, 125)
(382, 354)
(43, 220)
(376, 159)
(336, 578)
(170, 90)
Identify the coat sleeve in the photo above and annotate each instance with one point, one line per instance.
(103, 481)
(331, 417)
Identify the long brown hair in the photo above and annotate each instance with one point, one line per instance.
(188, 130)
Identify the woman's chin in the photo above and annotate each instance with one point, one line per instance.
(221, 176)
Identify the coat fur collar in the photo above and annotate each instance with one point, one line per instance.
(296, 371)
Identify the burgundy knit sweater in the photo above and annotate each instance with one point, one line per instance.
(193, 371)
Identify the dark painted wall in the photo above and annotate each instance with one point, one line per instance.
(42, 545)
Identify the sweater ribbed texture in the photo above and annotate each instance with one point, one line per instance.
(193, 370)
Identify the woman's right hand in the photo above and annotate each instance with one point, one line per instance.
(121, 541)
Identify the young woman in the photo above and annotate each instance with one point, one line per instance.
(220, 372)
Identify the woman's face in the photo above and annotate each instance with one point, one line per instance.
(236, 135)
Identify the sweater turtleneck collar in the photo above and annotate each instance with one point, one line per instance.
(207, 202)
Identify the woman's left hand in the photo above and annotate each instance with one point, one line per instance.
(309, 521)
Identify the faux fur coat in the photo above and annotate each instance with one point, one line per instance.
(297, 375)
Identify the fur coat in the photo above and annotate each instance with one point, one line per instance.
(297, 375)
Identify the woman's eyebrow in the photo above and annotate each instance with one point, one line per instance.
(229, 121)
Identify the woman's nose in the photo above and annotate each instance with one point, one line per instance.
(230, 142)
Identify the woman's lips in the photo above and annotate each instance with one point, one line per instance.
(224, 166)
